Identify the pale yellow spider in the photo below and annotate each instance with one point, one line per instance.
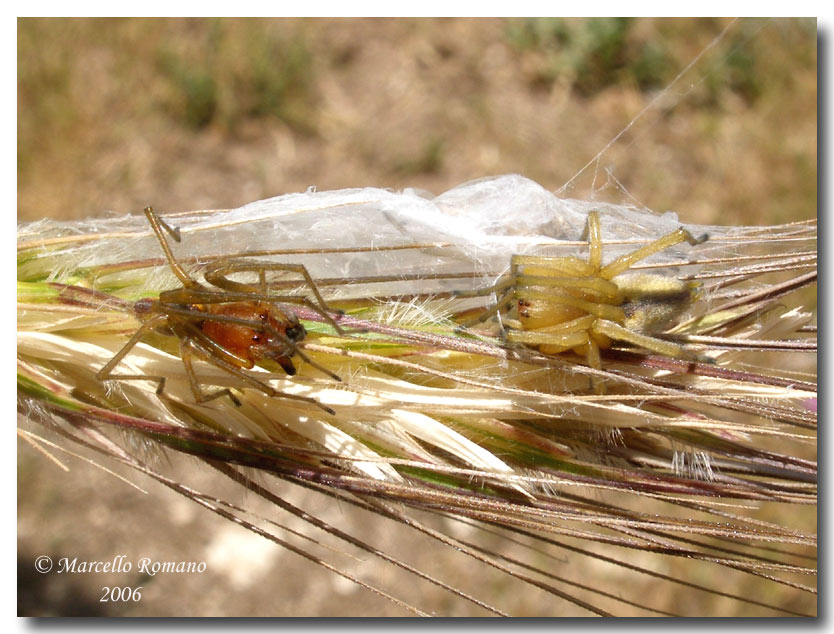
(565, 303)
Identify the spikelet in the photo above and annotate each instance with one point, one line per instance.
(671, 461)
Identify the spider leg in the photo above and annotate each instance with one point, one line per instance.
(594, 240)
(591, 285)
(160, 380)
(175, 298)
(262, 281)
(502, 304)
(579, 324)
(218, 276)
(487, 290)
(565, 335)
(552, 343)
(595, 362)
(297, 349)
(309, 304)
(202, 295)
(318, 366)
(562, 337)
(659, 346)
(567, 266)
(210, 346)
(625, 262)
(106, 372)
(157, 224)
(174, 232)
(199, 395)
(207, 355)
(598, 309)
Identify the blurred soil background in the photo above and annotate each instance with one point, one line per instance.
(117, 114)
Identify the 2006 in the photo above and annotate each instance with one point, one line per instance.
(121, 594)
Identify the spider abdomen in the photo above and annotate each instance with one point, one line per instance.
(654, 302)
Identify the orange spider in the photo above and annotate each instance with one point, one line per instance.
(231, 325)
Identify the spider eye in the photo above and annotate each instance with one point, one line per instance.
(256, 338)
(296, 332)
(263, 316)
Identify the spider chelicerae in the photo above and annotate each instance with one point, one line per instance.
(557, 304)
(230, 324)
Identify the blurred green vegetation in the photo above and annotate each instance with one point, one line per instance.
(428, 160)
(592, 53)
(196, 88)
(238, 69)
